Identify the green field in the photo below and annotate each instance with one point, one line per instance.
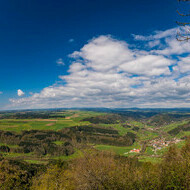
(124, 151)
(72, 118)
(56, 121)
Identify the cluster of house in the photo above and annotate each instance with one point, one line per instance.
(135, 150)
(158, 144)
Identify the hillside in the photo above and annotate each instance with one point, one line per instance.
(45, 135)
(45, 140)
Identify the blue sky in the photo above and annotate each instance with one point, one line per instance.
(52, 51)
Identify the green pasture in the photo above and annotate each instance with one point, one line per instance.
(72, 118)
(117, 149)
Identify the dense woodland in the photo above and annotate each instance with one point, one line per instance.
(38, 142)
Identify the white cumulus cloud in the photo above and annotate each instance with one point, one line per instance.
(20, 92)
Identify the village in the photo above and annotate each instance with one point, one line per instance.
(160, 143)
(157, 144)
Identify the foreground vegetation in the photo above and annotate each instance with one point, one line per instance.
(100, 170)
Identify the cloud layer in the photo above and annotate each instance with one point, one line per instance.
(107, 72)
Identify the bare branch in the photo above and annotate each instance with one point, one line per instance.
(181, 14)
(184, 33)
(182, 23)
(181, 37)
